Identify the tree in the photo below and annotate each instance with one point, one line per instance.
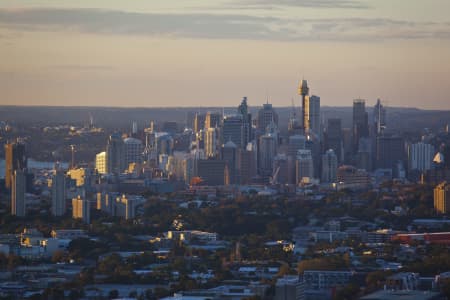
(113, 294)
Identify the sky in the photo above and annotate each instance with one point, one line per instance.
(212, 53)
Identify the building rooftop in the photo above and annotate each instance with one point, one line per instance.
(402, 295)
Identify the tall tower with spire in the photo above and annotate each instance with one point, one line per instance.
(303, 91)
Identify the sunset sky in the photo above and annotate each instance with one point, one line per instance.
(211, 53)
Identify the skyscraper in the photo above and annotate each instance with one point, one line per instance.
(379, 118)
(210, 142)
(212, 120)
(15, 159)
(329, 166)
(246, 122)
(267, 151)
(304, 166)
(18, 186)
(314, 116)
(133, 151)
(303, 91)
(58, 193)
(115, 154)
(360, 122)
(266, 115)
(229, 155)
(199, 122)
(232, 130)
(390, 150)
(334, 138)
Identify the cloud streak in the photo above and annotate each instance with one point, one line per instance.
(339, 4)
(221, 26)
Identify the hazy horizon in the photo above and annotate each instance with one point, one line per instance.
(210, 54)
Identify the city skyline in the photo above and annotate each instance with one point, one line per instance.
(167, 53)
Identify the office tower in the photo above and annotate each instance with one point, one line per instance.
(316, 153)
(442, 198)
(163, 143)
(232, 130)
(360, 122)
(267, 151)
(295, 143)
(212, 171)
(58, 192)
(329, 166)
(314, 117)
(212, 120)
(420, 156)
(364, 155)
(304, 166)
(247, 163)
(18, 186)
(133, 151)
(280, 169)
(199, 122)
(347, 144)
(190, 119)
(303, 91)
(81, 209)
(210, 142)
(266, 115)
(390, 150)
(229, 155)
(379, 118)
(100, 162)
(334, 139)
(115, 154)
(15, 159)
(247, 135)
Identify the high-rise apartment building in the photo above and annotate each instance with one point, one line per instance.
(18, 186)
(58, 193)
(442, 198)
(420, 156)
(81, 209)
